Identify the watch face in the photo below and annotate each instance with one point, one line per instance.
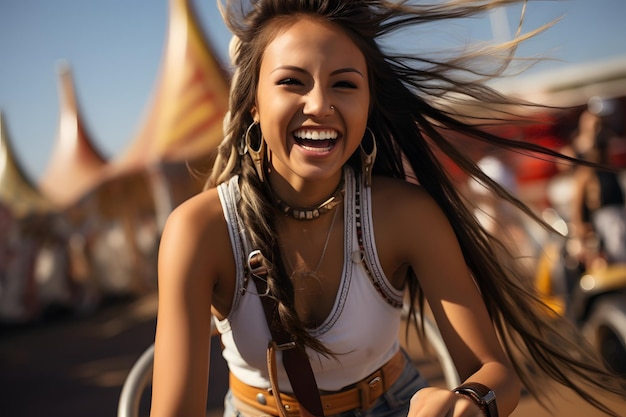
(490, 397)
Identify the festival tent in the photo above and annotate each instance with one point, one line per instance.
(179, 133)
(184, 120)
(76, 166)
(17, 191)
(183, 123)
(571, 85)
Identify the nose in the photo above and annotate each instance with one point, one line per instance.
(317, 103)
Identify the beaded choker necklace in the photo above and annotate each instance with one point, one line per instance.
(309, 213)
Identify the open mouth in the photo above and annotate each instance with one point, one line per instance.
(316, 140)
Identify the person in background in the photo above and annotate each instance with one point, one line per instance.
(312, 230)
(598, 204)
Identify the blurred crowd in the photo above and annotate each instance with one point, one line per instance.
(71, 261)
(579, 265)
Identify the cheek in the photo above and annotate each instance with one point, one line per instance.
(360, 107)
(275, 117)
(274, 105)
(359, 114)
(360, 119)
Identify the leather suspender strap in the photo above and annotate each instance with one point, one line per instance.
(295, 360)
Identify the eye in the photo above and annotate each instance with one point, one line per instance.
(289, 81)
(345, 84)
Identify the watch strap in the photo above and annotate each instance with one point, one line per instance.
(482, 396)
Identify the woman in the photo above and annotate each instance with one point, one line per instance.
(598, 210)
(323, 133)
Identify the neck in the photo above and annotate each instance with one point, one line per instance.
(307, 201)
(301, 192)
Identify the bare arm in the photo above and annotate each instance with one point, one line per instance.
(189, 271)
(431, 248)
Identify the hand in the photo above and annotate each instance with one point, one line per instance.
(438, 402)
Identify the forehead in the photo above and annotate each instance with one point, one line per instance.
(312, 39)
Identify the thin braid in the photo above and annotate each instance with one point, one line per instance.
(258, 215)
(256, 211)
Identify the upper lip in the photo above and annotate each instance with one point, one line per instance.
(316, 133)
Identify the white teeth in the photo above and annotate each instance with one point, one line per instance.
(316, 134)
(310, 148)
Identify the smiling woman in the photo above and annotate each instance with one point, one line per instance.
(307, 139)
(310, 233)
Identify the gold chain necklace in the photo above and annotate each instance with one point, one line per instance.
(313, 274)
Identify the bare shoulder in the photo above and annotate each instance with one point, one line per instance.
(406, 218)
(196, 219)
(195, 246)
(396, 199)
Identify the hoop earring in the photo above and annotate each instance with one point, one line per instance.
(257, 155)
(367, 159)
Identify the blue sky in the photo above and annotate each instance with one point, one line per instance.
(114, 48)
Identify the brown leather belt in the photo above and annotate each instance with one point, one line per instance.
(361, 395)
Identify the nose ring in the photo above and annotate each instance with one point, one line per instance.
(332, 108)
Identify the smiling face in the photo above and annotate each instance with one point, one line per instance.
(312, 101)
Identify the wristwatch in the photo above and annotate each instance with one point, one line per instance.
(482, 396)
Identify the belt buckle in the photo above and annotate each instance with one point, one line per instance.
(254, 263)
(371, 389)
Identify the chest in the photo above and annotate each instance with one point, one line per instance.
(314, 257)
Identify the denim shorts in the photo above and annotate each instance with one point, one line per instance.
(393, 403)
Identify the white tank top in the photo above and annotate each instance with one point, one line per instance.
(362, 329)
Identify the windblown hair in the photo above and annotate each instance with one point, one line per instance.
(413, 120)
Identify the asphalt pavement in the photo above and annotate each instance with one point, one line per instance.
(67, 366)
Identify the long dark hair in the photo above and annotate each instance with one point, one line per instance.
(413, 118)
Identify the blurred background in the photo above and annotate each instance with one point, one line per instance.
(109, 115)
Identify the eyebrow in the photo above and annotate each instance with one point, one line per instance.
(336, 72)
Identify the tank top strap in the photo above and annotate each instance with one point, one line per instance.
(367, 253)
(229, 197)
